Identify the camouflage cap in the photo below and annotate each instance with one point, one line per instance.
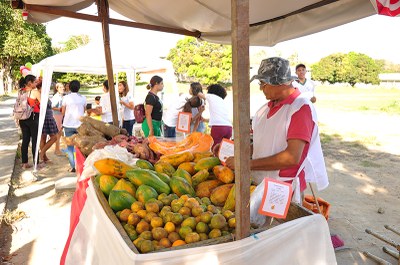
(274, 71)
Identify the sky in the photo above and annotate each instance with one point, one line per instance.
(375, 36)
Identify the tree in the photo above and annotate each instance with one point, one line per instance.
(201, 61)
(349, 68)
(75, 42)
(20, 43)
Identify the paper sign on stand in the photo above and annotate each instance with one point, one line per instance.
(226, 149)
(183, 124)
(276, 198)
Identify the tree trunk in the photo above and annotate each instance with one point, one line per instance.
(2, 81)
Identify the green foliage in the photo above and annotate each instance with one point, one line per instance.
(75, 42)
(20, 42)
(349, 68)
(201, 61)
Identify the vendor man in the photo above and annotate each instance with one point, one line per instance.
(286, 144)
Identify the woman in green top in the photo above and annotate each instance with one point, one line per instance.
(154, 109)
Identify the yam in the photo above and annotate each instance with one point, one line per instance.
(108, 130)
(86, 143)
(89, 130)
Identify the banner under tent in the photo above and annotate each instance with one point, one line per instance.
(90, 59)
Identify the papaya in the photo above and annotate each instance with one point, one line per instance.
(204, 188)
(120, 200)
(164, 177)
(148, 177)
(145, 193)
(183, 174)
(113, 167)
(180, 186)
(107, 183)
(144, 164)
(189, 167)
(200, 155)
(164, 167)
(207, 163)
(230, 201)
(224, 174)
(178, 158)
(126, 185)
(220, 194)
(199, 177)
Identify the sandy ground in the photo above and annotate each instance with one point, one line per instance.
(362, 158)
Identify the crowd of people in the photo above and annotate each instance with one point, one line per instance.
(288, 119)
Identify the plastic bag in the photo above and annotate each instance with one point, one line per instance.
(256, 219)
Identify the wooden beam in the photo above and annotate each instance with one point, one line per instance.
(61, 12)
(71, 14)
(102, 7)
(241, 113)
(302, 10)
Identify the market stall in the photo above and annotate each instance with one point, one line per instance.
(97, 236)
(238, 23)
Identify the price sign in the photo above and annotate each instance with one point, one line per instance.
(226, 149)
(183, 124)
(276, 198)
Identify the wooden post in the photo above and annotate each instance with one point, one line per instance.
(241, 113)
(102, 7)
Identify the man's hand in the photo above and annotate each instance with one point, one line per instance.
(230, 162)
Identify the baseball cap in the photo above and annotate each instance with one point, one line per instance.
(274, 71)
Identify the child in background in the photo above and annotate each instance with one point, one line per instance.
(96, 104)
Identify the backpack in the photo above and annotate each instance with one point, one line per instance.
(22, 109)
(139, 113)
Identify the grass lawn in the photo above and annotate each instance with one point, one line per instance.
(359, 99)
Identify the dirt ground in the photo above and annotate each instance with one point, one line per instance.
(362, 157)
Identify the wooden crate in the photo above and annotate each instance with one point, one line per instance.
(295, 211)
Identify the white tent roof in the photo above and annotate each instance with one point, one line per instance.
(271, 21)
(90, 59)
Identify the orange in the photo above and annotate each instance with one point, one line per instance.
(170, 227)
(178, 242)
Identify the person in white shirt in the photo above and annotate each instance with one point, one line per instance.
(304, 85)
(105, 106)
(73, 108)
(170, 115)
(221, 126)
(126, 101)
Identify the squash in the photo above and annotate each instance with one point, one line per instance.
(207, 163)
(224, 174)
(199, 177)
(180, 186)
(189, 167)
(220, 194)
(120, 200)
(144, 164)
(164, 167)
(178, 158)
(148, 177)
(145, 193)
(128, 186)
(113, 167)
(183, 174)
(194, 142)
(204, 188)
(107, 183)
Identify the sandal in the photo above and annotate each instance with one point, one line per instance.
(72, 170)
(59, 153)
(26, 166)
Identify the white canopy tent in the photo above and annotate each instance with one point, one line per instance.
(90, 59)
